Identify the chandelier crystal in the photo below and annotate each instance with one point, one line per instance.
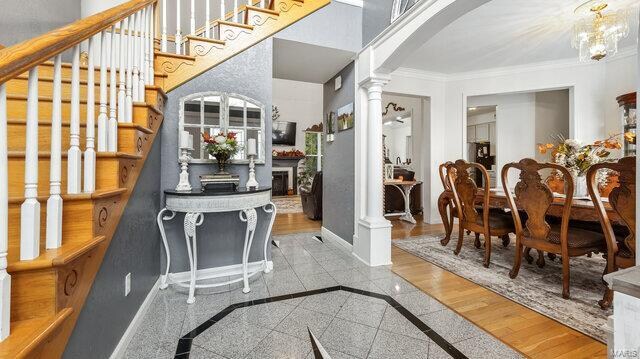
(597, 32)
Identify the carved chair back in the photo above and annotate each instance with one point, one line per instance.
(535, 197)
(622, 198)
(465, 190)
(442, 171)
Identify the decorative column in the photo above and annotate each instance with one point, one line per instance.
(373, 244)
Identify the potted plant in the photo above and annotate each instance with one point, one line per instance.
(221, 146)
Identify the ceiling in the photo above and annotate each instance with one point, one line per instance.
(504, 33)
(309, 63)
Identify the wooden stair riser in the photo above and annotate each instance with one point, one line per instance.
(78, 229)
(33, 294)
(258, 17)
(46, 70)
(231, 32)
(130, 139)
(156, 98)
(148, 117)
(202, 47)
(18, 86)
(104, 179)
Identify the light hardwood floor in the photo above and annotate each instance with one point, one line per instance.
(525, 330)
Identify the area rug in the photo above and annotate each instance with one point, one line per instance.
(537, 288)
(288, 204)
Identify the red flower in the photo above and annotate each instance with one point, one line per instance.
(206, 137)
(231, 135)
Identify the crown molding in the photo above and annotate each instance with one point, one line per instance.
(358, 3)
(509, 70)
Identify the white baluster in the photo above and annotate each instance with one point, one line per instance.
(74, 157)
(30, 210)
(90, 153)
(223, 14)
(128, 111)
(163, 39)
(112, 127)
(122, 68)
(207, 12)
(135, 56)
(178, 36)
(262, 3)
(192, 21)
(102, 117)
(235, 11)
(5, 278)
(54, 203)
(142, 50)
(151, 44)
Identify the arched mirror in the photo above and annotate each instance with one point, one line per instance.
(213, 112)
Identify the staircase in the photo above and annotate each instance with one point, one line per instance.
(74, 137)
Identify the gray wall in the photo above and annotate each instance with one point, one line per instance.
(346, 34)
(21, 20)
(135, 249)
(338, 166)
(376, 16)
(247, 74)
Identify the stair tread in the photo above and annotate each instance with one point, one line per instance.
(213, 41)
(27, 334)
(63, 100)
(98, 194)
(234, 24)
(84, 67)
(46, 154)
(268, 11)
(177, 56)
(71, 249)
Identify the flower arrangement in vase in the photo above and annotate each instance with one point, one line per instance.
(578, 158)
(221, 146)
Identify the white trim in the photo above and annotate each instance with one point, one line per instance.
(358, 3)
(216, 272)
(120, 349)
(326, 233)
(420, 74)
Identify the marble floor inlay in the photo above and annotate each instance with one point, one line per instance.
(354, 311)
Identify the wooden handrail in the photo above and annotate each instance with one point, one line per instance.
(17, 59)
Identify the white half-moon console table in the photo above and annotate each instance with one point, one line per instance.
(195, 204)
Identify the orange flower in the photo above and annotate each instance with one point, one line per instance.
(544, 147)
(630, 137)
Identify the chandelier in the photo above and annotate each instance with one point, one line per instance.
(597, 32)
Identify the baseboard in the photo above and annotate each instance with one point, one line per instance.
(336, 238)
(118, 352)
(216, 272)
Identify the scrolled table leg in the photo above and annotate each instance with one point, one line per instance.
(249, 216)
(273, 211)
(160, 219)
(191, 221)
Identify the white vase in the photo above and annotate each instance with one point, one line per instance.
(580, 187)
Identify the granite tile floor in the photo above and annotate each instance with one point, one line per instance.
(347, 324)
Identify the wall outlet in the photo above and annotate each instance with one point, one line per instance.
(127, 284)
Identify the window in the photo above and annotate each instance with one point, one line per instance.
(213, 112)
(313, 151)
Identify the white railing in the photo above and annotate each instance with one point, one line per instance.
(123, 52)
(207, 30)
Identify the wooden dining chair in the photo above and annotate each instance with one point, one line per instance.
(621, 244)
(446, 203)
(471, 217)
(534, 197)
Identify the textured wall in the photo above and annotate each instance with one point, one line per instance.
(135, 249)
(21, 20)
(338, 165)
(220, 238)
(376, 16)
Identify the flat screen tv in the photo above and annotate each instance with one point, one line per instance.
(284, 133)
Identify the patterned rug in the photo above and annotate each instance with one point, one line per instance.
(537, 288)
(288, 204)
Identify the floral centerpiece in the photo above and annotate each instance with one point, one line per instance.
(221, 146)
(578, 157)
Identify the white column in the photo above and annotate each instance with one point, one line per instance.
(112, 125)
(5, 278)
(122, 68)
(192, 20)
(90, 153)
(163, 38)
(30, 210)
(142, 68)
(373, 244)
(54, 203)
(207, 29)
(135, 58)
(178, 38)
(128, 111)
(74, 157)
(102, 117)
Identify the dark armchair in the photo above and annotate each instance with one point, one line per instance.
(312, 198)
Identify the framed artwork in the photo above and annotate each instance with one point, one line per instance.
(388, 172)
(345, 117)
